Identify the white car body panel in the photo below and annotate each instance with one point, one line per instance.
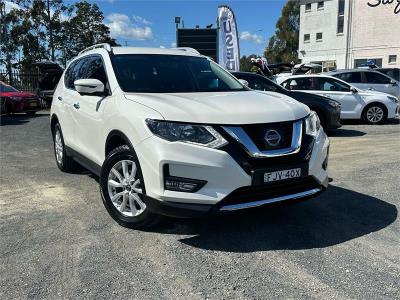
(88, 120)
(244, 107)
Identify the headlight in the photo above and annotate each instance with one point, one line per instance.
(187, 133)
(312, 124)
(393, 99)
(16, 98)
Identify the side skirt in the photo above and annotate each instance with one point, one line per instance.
(83, 161)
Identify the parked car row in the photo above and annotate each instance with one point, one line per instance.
(328, 110)
(371, 106)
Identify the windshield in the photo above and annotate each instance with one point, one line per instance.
(7, 88)
(145, 73)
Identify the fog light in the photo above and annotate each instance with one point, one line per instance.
(180, 184)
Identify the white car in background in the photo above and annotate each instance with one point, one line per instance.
(369, 80)
(371, 106)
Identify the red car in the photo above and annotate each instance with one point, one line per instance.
(14, 101)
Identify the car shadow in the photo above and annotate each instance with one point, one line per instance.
(345, 133)
(360, 122)
(19, 119)
(336, 216)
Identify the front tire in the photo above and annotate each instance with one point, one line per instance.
(375, 114)
(122, 189)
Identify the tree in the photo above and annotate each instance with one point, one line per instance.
(245, 62)
(84, 29)
(48, 14)
(8, 41)
(283, 45)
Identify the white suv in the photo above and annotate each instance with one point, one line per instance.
(169, 132)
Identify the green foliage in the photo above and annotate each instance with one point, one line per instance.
(49, 30)
(245, 62)
(84, 29)
(283, 45)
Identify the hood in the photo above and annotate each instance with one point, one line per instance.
(369, 93)
(17, 94)
(245, 107)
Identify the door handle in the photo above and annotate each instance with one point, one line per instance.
(59, 98)
(76, 105)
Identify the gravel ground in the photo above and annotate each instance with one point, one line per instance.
(57, 240)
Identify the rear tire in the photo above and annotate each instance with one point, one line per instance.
(375, 113)
(64, 162)
(122, 189)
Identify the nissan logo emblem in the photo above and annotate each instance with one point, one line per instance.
(272, 137)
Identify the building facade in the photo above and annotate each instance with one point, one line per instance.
(343, 34)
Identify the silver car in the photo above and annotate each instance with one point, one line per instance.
(369, 80)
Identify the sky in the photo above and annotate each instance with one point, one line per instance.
(151, 23)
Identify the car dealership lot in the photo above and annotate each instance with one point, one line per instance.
(57, 240)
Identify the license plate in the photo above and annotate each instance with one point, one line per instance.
(282, 175)
(33, 105)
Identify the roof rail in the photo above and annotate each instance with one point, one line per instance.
(104, 46)
(188, 49)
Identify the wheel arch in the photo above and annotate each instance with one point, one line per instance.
(115, 139)
(53, 121)
(376, 103)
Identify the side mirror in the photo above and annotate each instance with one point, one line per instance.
(244, 82)
(353, 90)
(393, 82)
(92, 87)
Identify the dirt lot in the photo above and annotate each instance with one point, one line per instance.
(57, 240)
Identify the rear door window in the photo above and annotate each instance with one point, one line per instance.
(376, 78)
(352, 77)
(302, 83)
(331, 85)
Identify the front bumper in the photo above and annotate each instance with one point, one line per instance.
(228, 174)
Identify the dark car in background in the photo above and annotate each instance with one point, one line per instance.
(50, 74)
(328, 110)
(14, 101)
(391, 72)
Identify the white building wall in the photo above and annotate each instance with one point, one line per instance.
(375, 32)
(333, 45)
(369, 32)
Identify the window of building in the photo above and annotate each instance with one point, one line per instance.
(363, 62)
(307, 38)
(319, 36)
(392, 59)
(308, 6)
(340, 23)
(320, 5)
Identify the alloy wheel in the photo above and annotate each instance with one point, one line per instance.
(124, 189)
(58, 145)
(375, 114)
